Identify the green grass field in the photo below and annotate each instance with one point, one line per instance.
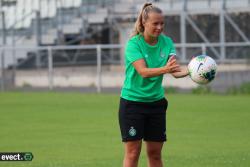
(81, 130)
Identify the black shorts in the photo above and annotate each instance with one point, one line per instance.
(143, 120)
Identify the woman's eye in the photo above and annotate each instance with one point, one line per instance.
(156, 24)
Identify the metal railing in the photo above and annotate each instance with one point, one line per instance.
(98, 52)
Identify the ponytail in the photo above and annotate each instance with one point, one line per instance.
(142, 17)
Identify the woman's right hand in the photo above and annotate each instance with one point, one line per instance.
(172, 66)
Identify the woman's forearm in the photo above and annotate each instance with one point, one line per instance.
(152, 72)
(183, 73)
(146, 72)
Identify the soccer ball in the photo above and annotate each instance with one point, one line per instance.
(202, 69)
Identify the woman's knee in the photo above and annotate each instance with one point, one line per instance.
(133, 154)
(154, 154)
(133, 150)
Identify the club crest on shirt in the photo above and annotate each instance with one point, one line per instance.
(162, 54)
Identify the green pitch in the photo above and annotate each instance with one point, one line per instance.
(73, 130)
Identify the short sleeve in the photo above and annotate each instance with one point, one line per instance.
(172, 51)
(133, 51)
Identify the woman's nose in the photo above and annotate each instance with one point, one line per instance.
(159, 27)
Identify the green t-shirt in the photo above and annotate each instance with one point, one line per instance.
(135, 87)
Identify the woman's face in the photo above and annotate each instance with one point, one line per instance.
(153, 26)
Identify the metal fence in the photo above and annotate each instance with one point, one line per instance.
(95, 67)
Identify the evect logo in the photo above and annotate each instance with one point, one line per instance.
(16, 156)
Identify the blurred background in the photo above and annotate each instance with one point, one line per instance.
(78, 45)
(49, 47)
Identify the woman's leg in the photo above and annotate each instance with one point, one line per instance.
(154, 153)
(132, 153)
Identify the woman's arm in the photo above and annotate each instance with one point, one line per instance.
(182, 73)
(144, 71)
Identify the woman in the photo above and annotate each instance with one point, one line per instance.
(142, 113)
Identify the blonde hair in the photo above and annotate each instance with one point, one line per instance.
(142, 18)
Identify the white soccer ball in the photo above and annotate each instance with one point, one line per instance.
(202, 69)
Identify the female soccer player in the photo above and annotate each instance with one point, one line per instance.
(142, 113)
